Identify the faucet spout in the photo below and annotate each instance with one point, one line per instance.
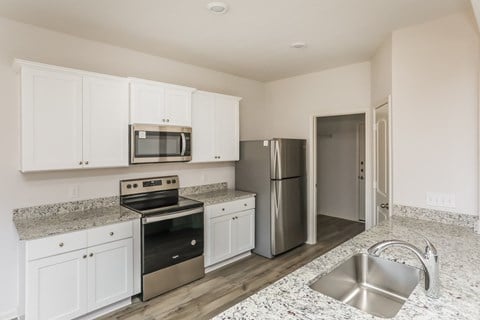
(429, 260)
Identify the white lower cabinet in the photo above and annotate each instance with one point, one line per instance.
(110, 276)
(228, 233)
(57, 286)
(67, 285)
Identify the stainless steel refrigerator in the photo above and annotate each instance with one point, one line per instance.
(276, 171)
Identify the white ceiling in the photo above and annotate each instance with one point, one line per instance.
(252, 40)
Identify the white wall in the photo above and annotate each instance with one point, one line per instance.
(337, 164)
(435, 100)
(291, 104)
(19, 190)
(381, 73)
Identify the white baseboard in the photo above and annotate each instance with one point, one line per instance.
(100, 312)
(9, 315)
(224, 263)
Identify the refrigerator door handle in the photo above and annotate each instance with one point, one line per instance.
(273, 174)
(276, 191)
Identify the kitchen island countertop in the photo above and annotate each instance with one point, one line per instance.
(459, 254)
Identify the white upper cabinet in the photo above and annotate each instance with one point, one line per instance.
(160, 103)
(105, 118)
(215, 127)
(51, 119)
(72, 119)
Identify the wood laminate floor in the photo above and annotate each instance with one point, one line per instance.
(223, 288)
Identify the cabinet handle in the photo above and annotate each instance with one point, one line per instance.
(86, 162)
(111, 233)
(91, 254)
(60, 244)
(80, 163)
(84, 256)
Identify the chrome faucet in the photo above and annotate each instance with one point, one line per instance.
(429, 260)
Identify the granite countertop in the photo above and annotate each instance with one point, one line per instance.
(458, 248)
(219, 196)
(38, 222)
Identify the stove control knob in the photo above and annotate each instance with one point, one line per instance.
(129, 186)
(168, 181)
(135, 185)
(174, 181)
(193, 242)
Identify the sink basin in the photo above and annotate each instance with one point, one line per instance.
(371, 284)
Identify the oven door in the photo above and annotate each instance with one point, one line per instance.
(150, 144)
(172, 238)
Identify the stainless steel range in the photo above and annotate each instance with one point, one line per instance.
(172, 233)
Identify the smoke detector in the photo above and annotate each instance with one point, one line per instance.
(298, 45)
(217, 7)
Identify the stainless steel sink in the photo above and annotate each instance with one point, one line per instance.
(374, 285)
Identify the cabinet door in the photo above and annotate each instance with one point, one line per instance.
(110, 273)
(105, 122)
(57, 286)
(178, 107)
(226, 128)
(244, 231)
(203, 127)
(51, 120)
(220, 239)
(147, 103)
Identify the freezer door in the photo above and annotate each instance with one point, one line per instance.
(287, 158)
(288, 214)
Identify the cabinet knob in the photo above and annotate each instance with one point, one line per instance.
(60, 244)
(111, 233)
(91, 254)
(86, 162)
(244, 204)
(84, 256)
(163, 120)
(223, 209)
(80, 163)
(168, 120)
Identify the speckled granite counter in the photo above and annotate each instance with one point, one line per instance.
(219, 196)
(48, 220)
(459, 254)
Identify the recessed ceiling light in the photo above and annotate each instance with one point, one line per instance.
(298, 45)
(217, 7)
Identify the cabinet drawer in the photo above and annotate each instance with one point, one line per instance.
(219, 209)
(54, 245)
(110, 233)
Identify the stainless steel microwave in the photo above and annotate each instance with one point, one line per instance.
(156, 143)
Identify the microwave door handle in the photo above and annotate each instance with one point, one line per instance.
(184, 143)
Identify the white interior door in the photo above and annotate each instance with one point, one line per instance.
(382, 163)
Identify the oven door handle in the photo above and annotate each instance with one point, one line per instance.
(164, 217)
(184, 143)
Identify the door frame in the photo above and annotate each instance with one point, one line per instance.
(387, 102)
(312, 167)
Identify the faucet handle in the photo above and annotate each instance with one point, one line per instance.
(430, 248)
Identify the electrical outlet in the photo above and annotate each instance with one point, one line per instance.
(436, 199)
(74, 191)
